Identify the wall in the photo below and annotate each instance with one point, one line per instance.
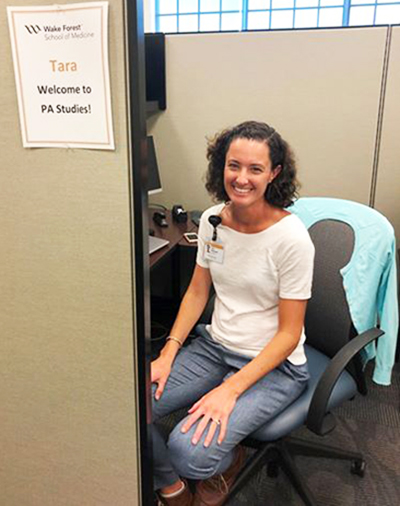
(68, 396)
(149, 8)
(319, 88)
(388, 182)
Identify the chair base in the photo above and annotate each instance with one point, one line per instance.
(279, 455)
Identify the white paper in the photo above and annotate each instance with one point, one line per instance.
(60, 55)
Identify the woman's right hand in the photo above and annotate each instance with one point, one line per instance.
(160, 371)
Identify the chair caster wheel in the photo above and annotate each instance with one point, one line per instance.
(273, 469)
(358, 467)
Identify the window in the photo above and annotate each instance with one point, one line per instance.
(234, 15)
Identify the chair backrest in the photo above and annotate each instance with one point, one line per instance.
(328, 324)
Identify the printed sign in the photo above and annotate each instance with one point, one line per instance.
(60, 55)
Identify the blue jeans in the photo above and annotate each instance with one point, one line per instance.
(198, 368)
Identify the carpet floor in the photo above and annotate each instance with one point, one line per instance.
(369, 425)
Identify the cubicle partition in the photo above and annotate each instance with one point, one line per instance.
(387, 194)
(324, 90)
(72, 299)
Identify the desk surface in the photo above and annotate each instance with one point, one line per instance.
(173, 233)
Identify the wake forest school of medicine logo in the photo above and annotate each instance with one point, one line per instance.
(33, 29)
(56, 32)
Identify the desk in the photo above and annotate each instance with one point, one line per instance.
(174, 234)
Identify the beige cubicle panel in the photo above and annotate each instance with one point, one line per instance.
(68, 420)
(387, 197)
(319, 88)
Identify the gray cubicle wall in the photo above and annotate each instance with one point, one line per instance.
(320, 88)
(68, 397)
(387, 195)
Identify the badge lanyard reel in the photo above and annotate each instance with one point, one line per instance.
(214, 250)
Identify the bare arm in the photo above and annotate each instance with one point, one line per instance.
(219, 403)
(193, 303)
(190, 310)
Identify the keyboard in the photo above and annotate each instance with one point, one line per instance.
(156, 243)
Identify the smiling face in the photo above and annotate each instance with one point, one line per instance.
(247, 172)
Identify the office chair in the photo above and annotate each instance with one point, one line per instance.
(332, 349)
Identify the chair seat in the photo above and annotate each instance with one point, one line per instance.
(295, 415)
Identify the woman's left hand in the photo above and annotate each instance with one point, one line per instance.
(214, 410)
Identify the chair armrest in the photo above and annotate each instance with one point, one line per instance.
(328, 380)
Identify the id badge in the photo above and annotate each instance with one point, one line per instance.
(214, 251)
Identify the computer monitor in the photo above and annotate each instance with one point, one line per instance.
(154, 45)
(153, 174)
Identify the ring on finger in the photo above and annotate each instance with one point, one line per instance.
(216, 421)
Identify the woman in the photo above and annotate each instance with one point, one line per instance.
(249, 364)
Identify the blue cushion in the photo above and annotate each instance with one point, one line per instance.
(295, 415)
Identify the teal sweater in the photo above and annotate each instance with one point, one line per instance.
(369, 279)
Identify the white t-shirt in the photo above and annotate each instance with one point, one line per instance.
(257, 270)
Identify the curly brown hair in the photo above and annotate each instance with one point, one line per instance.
(282, 191)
